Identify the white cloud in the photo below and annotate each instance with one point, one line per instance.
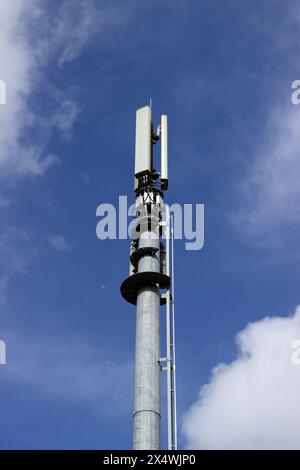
(252, 403)
(33, 40)
(16, 63)
(59, 242)
(19, 68)
(36, 41)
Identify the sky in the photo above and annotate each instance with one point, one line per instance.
(75, 73)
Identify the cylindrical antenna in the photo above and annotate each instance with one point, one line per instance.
(164, 151)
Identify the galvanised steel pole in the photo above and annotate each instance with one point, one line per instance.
(147, 393)
(148, 275)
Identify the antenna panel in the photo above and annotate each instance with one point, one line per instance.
(143, 158)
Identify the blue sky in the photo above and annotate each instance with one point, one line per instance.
(75, 73)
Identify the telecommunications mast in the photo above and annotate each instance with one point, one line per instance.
(150, 285)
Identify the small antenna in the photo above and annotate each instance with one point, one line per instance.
(164, 151)
(150, 103)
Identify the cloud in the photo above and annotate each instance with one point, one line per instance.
(67, 368)
(24, 132)
(253, 402)
(16, 252)
(18, 249)
(76, 25)
(16, 64)
(34, 40)
(270, 190)
(266, 211)
(4, 201)
(58, 242)
(86, 177)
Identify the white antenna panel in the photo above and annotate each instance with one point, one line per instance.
(143, 158)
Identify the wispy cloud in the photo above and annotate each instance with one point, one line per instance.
(33, 40)
(4, 201)
(76, 25)
(59, 243)
(86, 177)
(36, 41)
(16, 251)
(266, 211)
(269, 192)
(67, 368)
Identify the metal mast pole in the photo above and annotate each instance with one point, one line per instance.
(149, 272)
(147, 407)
